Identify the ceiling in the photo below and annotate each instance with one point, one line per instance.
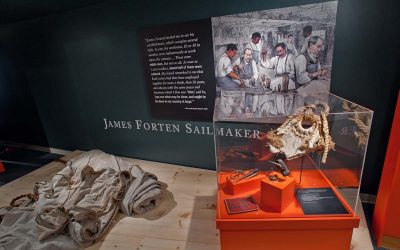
(17, 10)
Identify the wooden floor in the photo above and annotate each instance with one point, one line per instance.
(184, 219)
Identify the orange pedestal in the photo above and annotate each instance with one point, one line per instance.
(276, 195)
(385, 222)
(243, 186)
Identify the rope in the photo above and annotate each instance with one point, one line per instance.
(360, 124)
(319, 126)
(32, 197)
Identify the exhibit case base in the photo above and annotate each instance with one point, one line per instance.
(332, 233)
(290, 180)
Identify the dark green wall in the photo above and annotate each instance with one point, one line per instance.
(85, 65)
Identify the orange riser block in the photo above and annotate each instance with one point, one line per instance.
(242, 186)
(276, 196)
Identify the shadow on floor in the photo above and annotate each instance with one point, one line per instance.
(369, 212)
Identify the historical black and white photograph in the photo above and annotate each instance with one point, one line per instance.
(265, 59)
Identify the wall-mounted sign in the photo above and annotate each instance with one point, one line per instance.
(256, 62)
(179, 70)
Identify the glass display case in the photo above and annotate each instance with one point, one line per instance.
(300, 157)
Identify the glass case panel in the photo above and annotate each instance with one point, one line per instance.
(295, 156)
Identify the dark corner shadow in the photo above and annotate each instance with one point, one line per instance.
(163, 206)
(18, 102)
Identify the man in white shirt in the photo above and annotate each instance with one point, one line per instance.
(232, 93)
(308, 67)
(291, 48)
(225, 73)
(265, 69)
(307, 30)
(283, 64)
(246, 69)
(255, 46)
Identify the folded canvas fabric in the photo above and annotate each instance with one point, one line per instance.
(141, 195)
(83, 198)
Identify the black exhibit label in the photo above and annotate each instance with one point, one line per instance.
(179, 70)
(316, 201)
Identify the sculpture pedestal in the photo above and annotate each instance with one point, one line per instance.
(276, 195)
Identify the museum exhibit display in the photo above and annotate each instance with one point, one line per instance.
(292, 179)
(234, 126)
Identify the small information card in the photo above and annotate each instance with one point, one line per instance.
(315, 201)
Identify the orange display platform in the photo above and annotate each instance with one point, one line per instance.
(235, 188)
(276, 195)
(288, 229)
(386, 218)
